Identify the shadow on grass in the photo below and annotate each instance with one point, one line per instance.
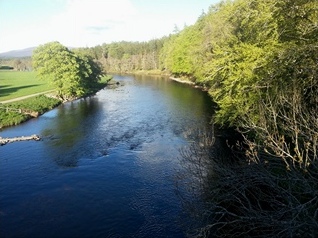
(6, 90)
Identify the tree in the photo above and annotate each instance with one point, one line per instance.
(72, 74)
(90, 69)
(19, 65)
(178, 53)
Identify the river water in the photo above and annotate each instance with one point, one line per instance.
(106, 165)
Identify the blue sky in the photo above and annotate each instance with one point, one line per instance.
(81, 23)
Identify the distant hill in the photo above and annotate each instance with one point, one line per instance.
(21, 53)
(18, 53)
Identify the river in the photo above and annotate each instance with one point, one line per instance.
(106, 165)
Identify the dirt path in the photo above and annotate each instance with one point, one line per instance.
(24, 97)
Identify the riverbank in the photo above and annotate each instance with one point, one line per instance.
(17, 112)
(154, 72)
(21, 110)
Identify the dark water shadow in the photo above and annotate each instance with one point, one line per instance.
(71, 131)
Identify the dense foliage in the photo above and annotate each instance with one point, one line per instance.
(73, 74)
(259, 59)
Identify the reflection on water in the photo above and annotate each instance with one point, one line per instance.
(69, 131)
(106, 166)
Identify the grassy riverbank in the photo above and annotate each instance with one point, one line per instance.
(17, 112)
(19, 84)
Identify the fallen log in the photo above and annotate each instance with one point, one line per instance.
(4, 141)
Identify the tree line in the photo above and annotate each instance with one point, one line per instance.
(19, 64)
(127, 57)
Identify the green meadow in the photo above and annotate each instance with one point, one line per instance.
(14, 84)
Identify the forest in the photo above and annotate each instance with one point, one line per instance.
(259, 61)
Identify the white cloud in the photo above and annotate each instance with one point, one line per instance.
(89, 22)
(88, 13)
(92, 22)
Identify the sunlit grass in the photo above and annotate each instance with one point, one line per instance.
(14, 84)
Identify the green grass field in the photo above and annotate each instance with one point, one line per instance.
(14, 84)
